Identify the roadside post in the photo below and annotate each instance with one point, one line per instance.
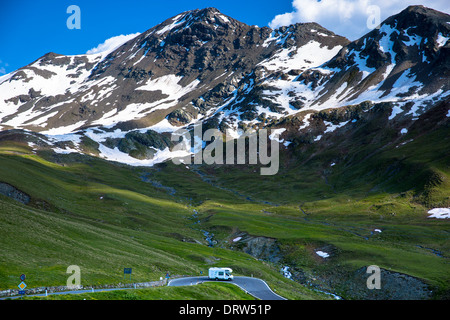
(127, 271)
(22, 285)
(167, 277)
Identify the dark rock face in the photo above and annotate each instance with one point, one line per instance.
(180, 116)
(140, 145)
(407, 41)
(263, 248)
(13, 193)
(393, 286)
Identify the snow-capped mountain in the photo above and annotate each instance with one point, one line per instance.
(405, 60)
(202, 65)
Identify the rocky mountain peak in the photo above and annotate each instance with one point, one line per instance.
(415, 36)
(210, 18)
(421, 21)
(419, 12)
(299, 34)
(204, 65)
(209, 13)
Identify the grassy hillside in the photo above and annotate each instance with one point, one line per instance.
(104, 216)
(379, 179)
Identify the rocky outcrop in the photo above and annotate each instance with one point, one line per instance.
(13, 193)
(140, 145)
(262, 248)
(393, 285)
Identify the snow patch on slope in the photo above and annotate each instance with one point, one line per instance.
(439, 213)
(310, 55)
(441, 40)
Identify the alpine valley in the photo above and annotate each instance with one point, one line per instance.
(86, 175)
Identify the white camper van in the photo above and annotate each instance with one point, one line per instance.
(220, 274)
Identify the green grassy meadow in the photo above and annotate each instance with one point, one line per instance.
(103, 217)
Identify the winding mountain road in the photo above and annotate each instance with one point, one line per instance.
(254, 286)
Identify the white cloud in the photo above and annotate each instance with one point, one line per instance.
(112, 43)
(348, 18)
(2, 67)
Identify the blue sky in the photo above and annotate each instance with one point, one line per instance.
(29, 29)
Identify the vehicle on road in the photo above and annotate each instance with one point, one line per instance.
(220, 274)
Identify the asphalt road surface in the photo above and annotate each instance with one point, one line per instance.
(254, 286)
